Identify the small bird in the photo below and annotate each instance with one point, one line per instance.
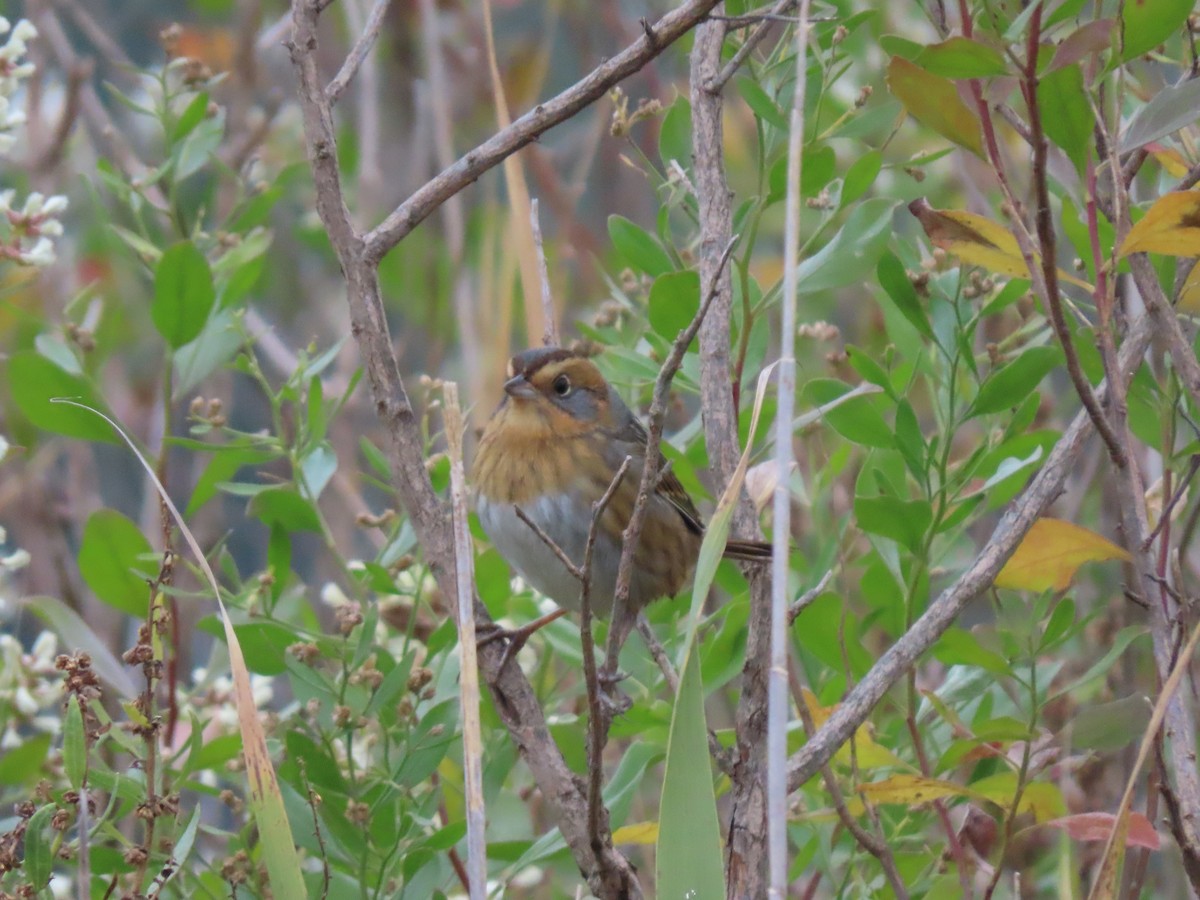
(552, 448)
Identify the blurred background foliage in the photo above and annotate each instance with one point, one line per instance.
(196, 300)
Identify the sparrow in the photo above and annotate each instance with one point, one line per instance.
(553, 447)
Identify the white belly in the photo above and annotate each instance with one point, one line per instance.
(565, 519)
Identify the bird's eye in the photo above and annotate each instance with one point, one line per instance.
(562, 385)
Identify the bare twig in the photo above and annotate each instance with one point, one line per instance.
(528, 127)
(1165, 515)
(977, 577)
(659, 654)
(621, 614)
(717, 82)
(1048, 247)
(464, 557)
(745, 855)
(576, 572)
(806, 599)
(550, 337)
(358, 53)
(597, 718)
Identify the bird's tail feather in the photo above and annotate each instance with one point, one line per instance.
(751, 551)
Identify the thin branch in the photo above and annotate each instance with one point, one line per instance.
(714, 85)
(550, 337)
(1169, 506)
(576, 572)
(621, 614)
(1048, 247)
(978, 576)
(533, 124)
(358, 53)
(805, 600)
(597, 718)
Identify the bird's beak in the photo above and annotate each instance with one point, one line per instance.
(518, 388)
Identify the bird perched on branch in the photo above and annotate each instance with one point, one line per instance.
(552, 448)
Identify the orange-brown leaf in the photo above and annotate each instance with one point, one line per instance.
(934, 101)
(1051, 553)
(1097, 826)
(1171, 227)
(972, 238)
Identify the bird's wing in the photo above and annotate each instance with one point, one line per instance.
(632, 434)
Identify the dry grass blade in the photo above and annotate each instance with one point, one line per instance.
(518, 198)
(469, 676)
(266, 801)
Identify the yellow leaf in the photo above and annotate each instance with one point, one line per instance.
(935, 102)
(1189, 294)
(972, 238)
(1050, 554)
(1042, 798)
(1171, 160)
(638, 833)
(910, 790)
(977, 241)
(1171, 227)
(867, 753)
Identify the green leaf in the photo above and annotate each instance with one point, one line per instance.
(284, 507)
(1060, 622)
(39, 852)
(200, 146)
(638, 247)
(1066, 115)
(1094, 676)
(22, 764)
(216, 344)
(35, 381)
(112, 561)
(1013, 382)
(674, 301)
(264, 645)
(760, 102)
(854, 249)
(935, 102)
(183, 294)
(1147, 23)
(856, 420)
(192, 115)
(820, 164)
(894, 279)
(1171, 109)
(675, 135)
(860, 176)
(689, 858)
(959, 647)
(904, 521)
(961, 57)
(74, 744)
